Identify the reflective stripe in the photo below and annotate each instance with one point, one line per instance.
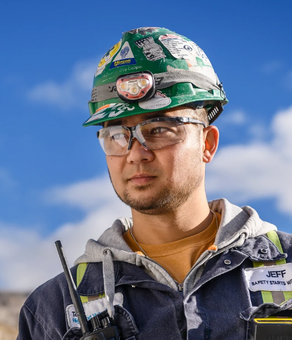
(274, 297)
(79, 276)
(273, 236)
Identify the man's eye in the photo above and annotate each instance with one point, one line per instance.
(118, 136)
(158, 130)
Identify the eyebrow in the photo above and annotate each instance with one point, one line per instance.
(148, 116)
(155, 115)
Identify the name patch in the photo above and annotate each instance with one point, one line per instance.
(270, 278)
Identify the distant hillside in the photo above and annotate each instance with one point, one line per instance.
(10, 304)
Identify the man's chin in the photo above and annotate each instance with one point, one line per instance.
(148, 203)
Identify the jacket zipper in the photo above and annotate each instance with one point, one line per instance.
(180, 287)
(203, 260)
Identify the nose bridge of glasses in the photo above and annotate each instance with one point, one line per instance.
(135, 132)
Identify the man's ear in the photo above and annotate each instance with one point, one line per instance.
(211, 141)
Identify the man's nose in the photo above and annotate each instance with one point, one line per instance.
(138, 153)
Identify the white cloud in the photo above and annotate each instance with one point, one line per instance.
(271, 67)
(85, 195)
(236, 117)
(31, 260)
(259, 131)
(72, 92)
(257, 170)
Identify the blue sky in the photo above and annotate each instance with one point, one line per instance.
(53, 177)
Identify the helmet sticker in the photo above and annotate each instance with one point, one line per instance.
(110, 110)
(132, 69)
(157, 102)
(107, 58)
(181, 48)
(196, 58)
(124, 57)
(120, 108)
(151, 50)
(143, 30)
(100, 113)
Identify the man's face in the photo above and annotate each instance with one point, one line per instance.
(158, 181)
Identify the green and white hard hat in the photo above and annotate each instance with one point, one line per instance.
(152, 69)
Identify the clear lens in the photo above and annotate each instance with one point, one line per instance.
(114, 140)
(162, 133)
(153, 134)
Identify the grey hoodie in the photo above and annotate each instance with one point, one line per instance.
(237, 224)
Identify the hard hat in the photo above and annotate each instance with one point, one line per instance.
(152, 69)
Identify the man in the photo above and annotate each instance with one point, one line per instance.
(181, 268)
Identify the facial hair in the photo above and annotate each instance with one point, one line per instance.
(167, 199)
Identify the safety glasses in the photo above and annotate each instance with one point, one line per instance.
(152, 134)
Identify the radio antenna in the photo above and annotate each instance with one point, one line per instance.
(73, 290)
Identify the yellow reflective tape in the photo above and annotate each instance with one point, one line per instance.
(79, 276)
(273, 320)
(273, 236)
(267, 296)
(80, 272)
(258, 264)
(83, 298)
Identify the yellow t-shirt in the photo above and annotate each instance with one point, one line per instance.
(178, 257)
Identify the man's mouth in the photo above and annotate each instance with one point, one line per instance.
(141, 179)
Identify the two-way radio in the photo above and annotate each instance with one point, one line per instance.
(99, 327)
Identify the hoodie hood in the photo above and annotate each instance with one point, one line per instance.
(237, 224)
